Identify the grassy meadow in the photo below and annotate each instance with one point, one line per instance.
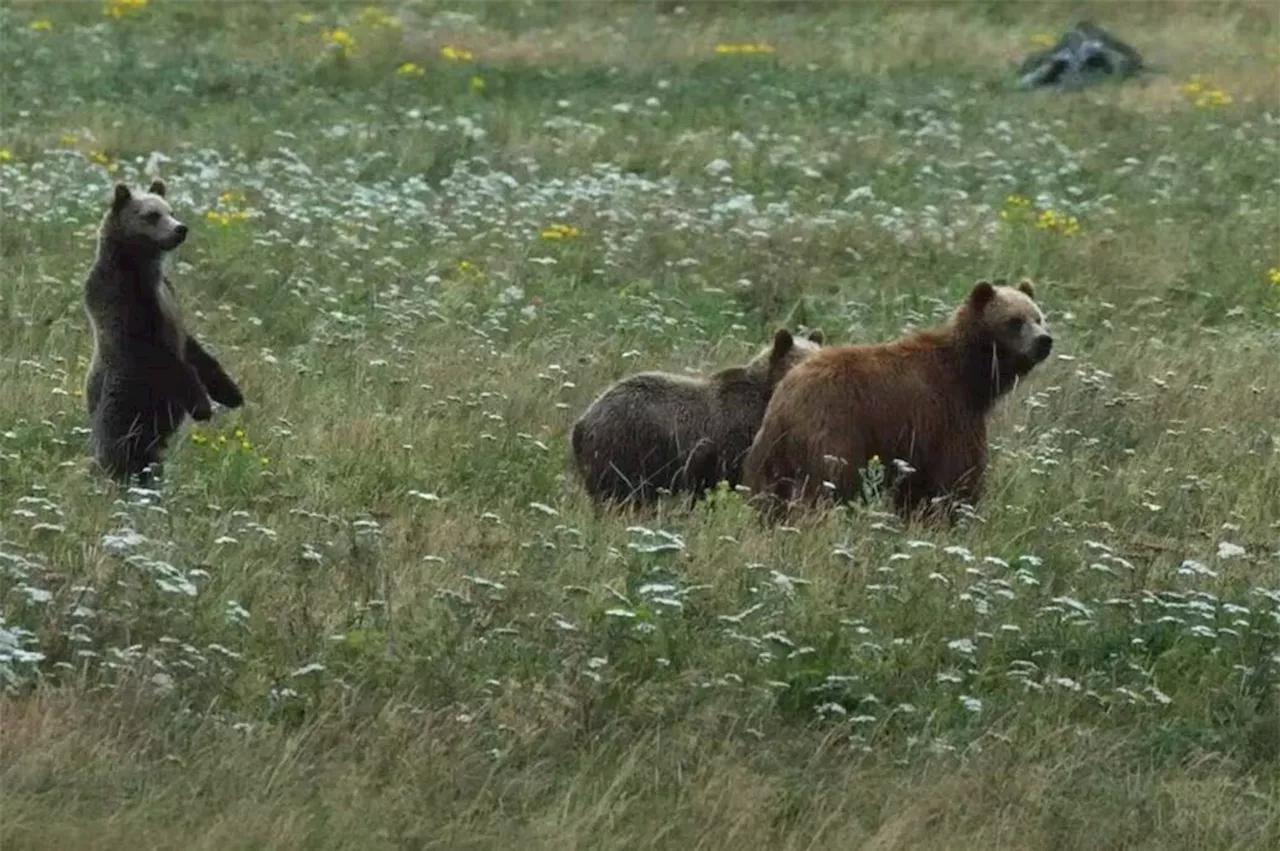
(372, 609)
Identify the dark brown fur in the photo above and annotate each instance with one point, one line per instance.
(653, 431)
(923, 399)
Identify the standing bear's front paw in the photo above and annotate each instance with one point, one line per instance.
(202, 411)
(231, 396)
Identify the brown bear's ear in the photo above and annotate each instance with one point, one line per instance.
(1027, 288)
(782, 343)
(816, 336)
(157, 187)
(121, 197)
(981, 295)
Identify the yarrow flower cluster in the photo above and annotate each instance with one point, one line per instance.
(748, 49)
(1019, 210)
(1204, 95)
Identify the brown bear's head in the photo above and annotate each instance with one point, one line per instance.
(142, 222)
(785, 352)
(1005, 320)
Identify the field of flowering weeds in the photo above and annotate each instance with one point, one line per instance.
(372, 609)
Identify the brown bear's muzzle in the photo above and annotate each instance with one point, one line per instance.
(1042, 347)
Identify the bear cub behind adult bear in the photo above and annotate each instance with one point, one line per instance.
(147, 372)
(655, 431)
(922, 400)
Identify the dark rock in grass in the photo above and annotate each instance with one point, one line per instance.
(1085, 55)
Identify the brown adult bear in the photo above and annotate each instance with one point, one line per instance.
(922, 400)
(655, 431)
(147, 373)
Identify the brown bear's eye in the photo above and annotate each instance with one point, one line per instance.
(1016, 323)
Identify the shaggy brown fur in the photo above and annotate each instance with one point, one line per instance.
(147, 373)
(653, 431)
(922, 400)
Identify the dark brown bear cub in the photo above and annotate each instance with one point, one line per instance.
(655, 432)
(147, 373)
(920, 404)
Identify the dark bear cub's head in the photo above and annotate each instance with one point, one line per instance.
(1007, 319)
(784, 353)
(142, 222)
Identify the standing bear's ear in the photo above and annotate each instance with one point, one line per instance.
(1027, 288)
(981, 295)
(157, 187)
(782, 343)
(121, 198)
(816, 336)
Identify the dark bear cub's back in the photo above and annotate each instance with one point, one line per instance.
(656, 432)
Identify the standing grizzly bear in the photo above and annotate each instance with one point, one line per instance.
(147, 372)
(657, 431)
(922, 400)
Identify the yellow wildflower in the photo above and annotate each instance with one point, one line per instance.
(374, 16)
(410, 69)
(744, 49)
(1212, 98)
(1273, 275)
(70, 139)
(228, 218)
(456, 54)
(264, 460)
(42, 25)
(231, 197)
(99, 157)
(466, 266)
(246, 445)
(477, 84)
(342, 41)
(561, 232)
(123, 8)
(198, 438)
(304, 18)
(1203, 95)
(873, 460)
(5, 155)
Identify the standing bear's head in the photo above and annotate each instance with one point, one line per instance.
(1003, 322)
(142, 222)
(785, 352)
